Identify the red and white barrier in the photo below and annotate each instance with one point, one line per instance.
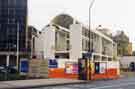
(108, 70)
(69, 69)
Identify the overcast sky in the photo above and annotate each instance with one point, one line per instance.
(113, 14)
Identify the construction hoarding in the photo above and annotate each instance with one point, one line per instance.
(65, 69)
(106, 70)
(38, 68)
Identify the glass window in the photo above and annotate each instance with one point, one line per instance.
(11, 11)
(68, 45)
(21, 3)
(8, 18)
(4, 3)
(11, 3)
(11, 20)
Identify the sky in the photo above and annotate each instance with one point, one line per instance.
(112, 14)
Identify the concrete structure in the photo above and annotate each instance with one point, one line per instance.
(105, 31)
(66, 38)
(32, 35)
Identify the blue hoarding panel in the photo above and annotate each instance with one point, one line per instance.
(53, 63)
(24, 66)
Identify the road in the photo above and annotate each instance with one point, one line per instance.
(125, 83)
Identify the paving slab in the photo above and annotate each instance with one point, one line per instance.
(19, 84)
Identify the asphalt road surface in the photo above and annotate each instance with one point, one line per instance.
(125, 83)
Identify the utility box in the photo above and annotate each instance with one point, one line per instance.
(83, 69)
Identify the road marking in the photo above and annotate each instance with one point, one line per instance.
(119, 85)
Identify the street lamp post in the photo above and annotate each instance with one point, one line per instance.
(90, 46)
(90, 7)
(17, 50)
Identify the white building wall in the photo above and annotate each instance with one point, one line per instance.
(49, 42)
(38, 46)
(75, 42)
(126, 60)
(45, 43)
(100, 45)
(61, 41)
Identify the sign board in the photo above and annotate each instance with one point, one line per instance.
(71, 68)
(24, 66)
(53, 63)
(87, 55)
(38, 68)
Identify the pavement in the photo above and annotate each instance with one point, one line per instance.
(128, 74)
(123, 83)
(23, 84)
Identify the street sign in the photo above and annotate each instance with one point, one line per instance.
(87, 55)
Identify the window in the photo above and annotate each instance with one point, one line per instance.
(68, 45)
(11, 11)
(68, 35)
(8, 26)
(21, 3)
(83, 32)
(62, 55)
(11, 3)
(4, 3)
(11, 20)
(87, 45)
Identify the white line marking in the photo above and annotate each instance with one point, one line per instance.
(119, 85)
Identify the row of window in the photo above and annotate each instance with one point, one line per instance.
(11, 13)
(13, 3)
(85, 32)
(85, 45)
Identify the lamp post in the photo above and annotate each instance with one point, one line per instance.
(90, 46)
(90, 7)
(17, 50)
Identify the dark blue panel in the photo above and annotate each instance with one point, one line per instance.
(53, 64)
(24, 66)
